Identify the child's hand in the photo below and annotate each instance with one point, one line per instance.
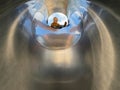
(65, 24)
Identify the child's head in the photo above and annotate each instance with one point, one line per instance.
(55, 19)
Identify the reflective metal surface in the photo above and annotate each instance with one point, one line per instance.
(91, 64)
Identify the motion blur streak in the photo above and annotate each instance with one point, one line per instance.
(10, 39)
(102, 75)
(110, 11)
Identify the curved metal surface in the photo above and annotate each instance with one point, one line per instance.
(92, 64)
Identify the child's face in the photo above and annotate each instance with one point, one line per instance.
(55, 19)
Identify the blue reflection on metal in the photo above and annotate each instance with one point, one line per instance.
(75, 12)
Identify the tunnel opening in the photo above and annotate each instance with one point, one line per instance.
(61, 18)
(41, 22)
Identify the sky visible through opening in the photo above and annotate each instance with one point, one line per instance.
(74, 19)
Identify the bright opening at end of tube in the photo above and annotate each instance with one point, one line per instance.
(61, 18)
(56, 38)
